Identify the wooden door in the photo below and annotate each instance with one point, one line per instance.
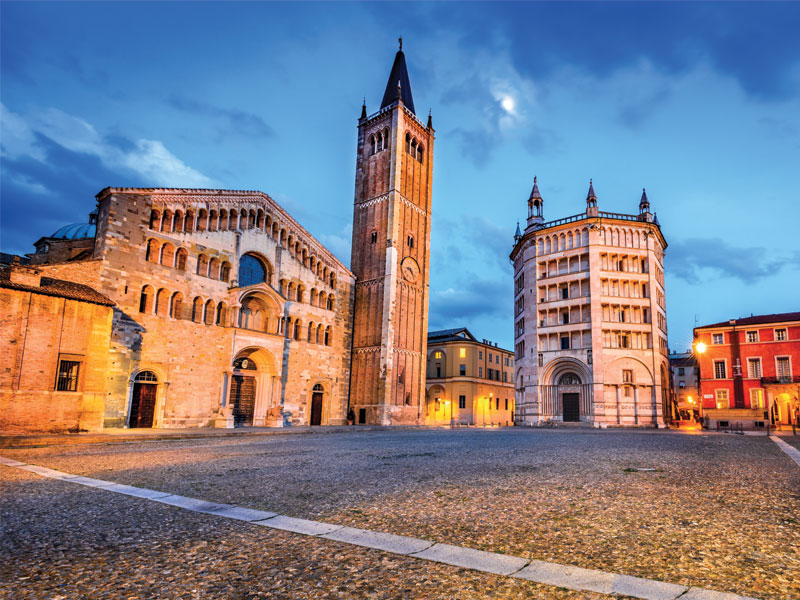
(316, 408)
(243, 397)
(143, 405)
(571, 407)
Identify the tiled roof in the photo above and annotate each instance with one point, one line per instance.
(399, 75)
(756, 320)
(56, 287)
(451, 333)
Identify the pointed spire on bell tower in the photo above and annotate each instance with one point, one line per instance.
(517, 234)
(644, 208)
(535, 206)
(398, 86)
(591, 201)
(430, 120)
(364, 110)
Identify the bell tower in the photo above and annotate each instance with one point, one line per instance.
(391, 257)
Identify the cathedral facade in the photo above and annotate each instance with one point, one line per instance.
(590, 325)
(227, 312)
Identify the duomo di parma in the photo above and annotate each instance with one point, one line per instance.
(185, 307)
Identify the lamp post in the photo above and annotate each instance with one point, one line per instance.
(699, 349)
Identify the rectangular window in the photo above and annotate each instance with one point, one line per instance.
(438, 371)
(497, 404)
(506, 403)
(565, 343)
(462, 370)
(784, 369)
(752, 336)
(757, 398)
(754, 368)
(627, 376)
(717, 338)
(480, 371)
(480, 355)
(682, 384)
(462, 353)
(564, 293)
(780, 335)
(68, 376)
(681, 371)
(719, 369)
(722, 398)
(462, 402)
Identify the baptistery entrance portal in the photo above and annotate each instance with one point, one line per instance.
(569, 386)
(243, 391)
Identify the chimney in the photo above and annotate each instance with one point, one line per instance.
(24, 275)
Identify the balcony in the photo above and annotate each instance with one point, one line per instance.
(779, 380)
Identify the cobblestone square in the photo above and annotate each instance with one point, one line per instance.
(712, 511)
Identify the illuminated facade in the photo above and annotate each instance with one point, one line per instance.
(749, 374)
(590, 324)
(469, 382)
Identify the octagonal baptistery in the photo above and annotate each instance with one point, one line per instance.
(590, 324)
(227, 311)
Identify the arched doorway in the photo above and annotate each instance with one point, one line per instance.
(143, 400)
(243, 391)
(316, 404)
(570, 397)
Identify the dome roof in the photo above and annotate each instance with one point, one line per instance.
(76, 231)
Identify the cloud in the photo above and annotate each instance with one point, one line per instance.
(236, 122)
(694, 260)
(149, 159)
(471, 299)
(633, 114)
(339, 243)
(494, 241)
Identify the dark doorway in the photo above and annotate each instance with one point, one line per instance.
(243, 398)
(143, 404)
(316, 405)
(571, 407)
(362, 415)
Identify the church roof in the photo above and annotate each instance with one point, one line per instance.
(56, 287)
(399, 74)
(76, 231)
(591, 195)
(535, 195)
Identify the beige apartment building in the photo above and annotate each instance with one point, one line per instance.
(590, 321)
(469, 382)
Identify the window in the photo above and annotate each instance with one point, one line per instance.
(757, 398)
(437, 354)
(506, 403)
(251, 271)
(627, 376)
(681, 371)
(68, 376)
(682, 384)
(780, 335)
(784, 369)
(373, 238)
(480, 355)
(722, 398)
(754, 368)
(480, 371)
(410, 241)
(438, 371)
(462, 402)
(564, 293)
(717, 338)
(752, 336)
(462, 370)
(497, 404)
(565, 343)
(462, 353)
(719, 369)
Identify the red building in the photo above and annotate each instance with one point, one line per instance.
(750, 370)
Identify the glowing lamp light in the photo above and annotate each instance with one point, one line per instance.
(700, 347)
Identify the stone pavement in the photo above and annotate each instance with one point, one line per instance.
(484, 490)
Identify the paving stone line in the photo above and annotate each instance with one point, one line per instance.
(575, 578)
(790, 450)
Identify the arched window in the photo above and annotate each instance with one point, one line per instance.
(202, 218)
(146, 299)
(146, 377)
(373, 147)
(569, 379)
(328, 336)
(161, 302)
(168, 255)
(251, 219)
(232, 220)
(319, 333)
(202, 265)
(260, 219)
(178, 222)
(208, 312)
(176, 306)
(330, 302)
(322, 300)
(222, 314)
(311, 330)
(188, 222)
(408, 143)
(225, 271)
(223, 220)
(213, 268)
(166, 222)
(197, 309)
(155, 219)
(180, 259)
(251, 271)
(297, 327)
(212, 220)
(420, 153)
(152, 251)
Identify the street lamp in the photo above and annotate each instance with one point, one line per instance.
(699, 349)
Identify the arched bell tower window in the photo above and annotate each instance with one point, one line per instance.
(410, 241)
(251, 271)
(373, 237)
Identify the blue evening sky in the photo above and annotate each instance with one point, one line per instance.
(699, 103)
